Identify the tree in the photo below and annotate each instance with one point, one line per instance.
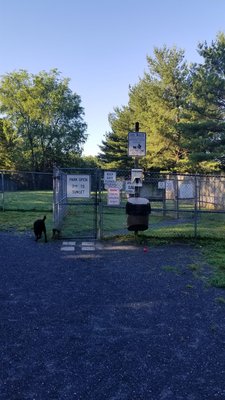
(8, 142)
(165, 87)
(205, 131)
(157, 102)
(114, 148)
(46, 116)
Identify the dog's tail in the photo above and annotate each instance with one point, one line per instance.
(44, 218)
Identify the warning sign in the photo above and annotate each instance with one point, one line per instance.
(113, 198)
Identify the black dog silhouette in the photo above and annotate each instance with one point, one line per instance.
(39, 228)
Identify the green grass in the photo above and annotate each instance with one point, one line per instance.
(27, 201)
(22, 208)
(220, 300)
(170, 268)
(79, 221)
(22, 221)
(214, 253)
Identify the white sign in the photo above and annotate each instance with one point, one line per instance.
(113, 198)
(109, 176)
(129, 187)
(162, 185)
(78, 185)
(168, 185)
(137, 144)
(186, 190)
(114, 184)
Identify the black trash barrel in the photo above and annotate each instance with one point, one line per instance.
(137, 210)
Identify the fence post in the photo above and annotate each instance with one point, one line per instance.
(55, 197)
(196, 208)
(176, 193)
(100, 207)
(3, 191)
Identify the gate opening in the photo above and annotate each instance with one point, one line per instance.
(76, 196)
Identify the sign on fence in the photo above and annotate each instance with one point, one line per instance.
(129, 187)
(109, 176)
(113, 198)
(78, 186)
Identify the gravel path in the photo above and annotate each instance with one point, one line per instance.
(116, 323)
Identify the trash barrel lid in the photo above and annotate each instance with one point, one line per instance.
(138, 200)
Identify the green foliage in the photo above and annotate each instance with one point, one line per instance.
(155, 102)
(114, 148)
(180, 107)
(204, 133)
(43, 118)
(8, 143)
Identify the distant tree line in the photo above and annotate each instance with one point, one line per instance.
(181, 108)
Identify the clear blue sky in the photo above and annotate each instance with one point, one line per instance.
(101, 45)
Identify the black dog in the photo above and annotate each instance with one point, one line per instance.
(39, 227)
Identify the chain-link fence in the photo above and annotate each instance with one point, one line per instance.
(182, 205)
(25, 191)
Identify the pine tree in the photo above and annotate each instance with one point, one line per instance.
(205, 131)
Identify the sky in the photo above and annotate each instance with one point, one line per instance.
(101, 45)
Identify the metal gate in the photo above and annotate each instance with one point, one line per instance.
(76, 194)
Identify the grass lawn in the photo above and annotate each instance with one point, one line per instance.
(22, 208)
(27, 201)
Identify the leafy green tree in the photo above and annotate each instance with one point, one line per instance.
(46, 116)
(8, 143)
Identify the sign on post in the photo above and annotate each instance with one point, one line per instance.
(136, 144)
(78, 186)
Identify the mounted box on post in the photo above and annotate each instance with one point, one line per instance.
(136, 177)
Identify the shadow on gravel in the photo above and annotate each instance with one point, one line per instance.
(115, 323)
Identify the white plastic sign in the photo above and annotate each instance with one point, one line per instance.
(109, 176)
(137, 144)
(113, 198)
(78, 186)
(130, 187)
